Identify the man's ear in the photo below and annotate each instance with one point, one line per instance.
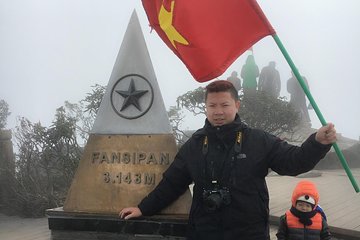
(237, 104)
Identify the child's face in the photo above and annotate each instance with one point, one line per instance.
(303, 206)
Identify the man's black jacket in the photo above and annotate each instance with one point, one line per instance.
(198, 162)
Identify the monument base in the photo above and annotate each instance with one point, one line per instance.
(163, 225)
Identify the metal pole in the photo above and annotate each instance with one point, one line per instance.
(317, 110)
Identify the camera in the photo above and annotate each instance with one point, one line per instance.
(215, 198)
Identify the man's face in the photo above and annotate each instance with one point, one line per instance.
(221, 108)
(303, 206)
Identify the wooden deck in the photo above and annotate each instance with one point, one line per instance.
(337, 197)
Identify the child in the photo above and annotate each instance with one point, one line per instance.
(303, 221)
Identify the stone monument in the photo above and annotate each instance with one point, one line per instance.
(131, 143)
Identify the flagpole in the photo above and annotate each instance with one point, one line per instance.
(317, 110)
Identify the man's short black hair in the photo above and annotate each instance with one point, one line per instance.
(221, 86)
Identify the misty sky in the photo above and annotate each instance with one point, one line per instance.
(53, 51)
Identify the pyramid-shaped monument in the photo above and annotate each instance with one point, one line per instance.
(131, 143)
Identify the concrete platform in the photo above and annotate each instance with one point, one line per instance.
(163, 225)
(337, 197)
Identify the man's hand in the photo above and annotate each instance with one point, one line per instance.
(130, 212)
(326, 134)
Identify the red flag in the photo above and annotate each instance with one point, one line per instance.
(208, 35)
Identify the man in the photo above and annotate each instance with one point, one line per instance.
(269, 80)
(249, 74)
(228, 162)
(297, 97)
(235, 80)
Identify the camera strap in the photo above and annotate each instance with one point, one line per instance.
(205, 147)
(237, 145)
(228, 174)
(238, 142)
(235, 153)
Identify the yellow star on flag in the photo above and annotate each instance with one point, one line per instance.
(166, 23)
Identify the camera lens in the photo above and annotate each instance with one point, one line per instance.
(212, 202)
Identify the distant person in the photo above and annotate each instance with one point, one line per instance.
(303, 221)
(228, 161)
(249, 74)
(297, 97)
(235, 80)
(269, 80)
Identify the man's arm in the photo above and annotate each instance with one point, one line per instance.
(287, 159)
(175, 182)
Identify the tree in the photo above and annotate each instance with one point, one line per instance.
(269, 114)
(4, 113)
(46, 162)
(176, 118)
(193, 101)
(47, 157)
(93, 100)
(84, 112)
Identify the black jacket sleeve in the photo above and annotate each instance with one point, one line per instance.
(282, 230)
(287, 159)
(175, 182)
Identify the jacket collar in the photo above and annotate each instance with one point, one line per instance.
(234, 126)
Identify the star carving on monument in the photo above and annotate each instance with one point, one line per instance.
(131, 96)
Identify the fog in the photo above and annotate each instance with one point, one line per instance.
(53, 51)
